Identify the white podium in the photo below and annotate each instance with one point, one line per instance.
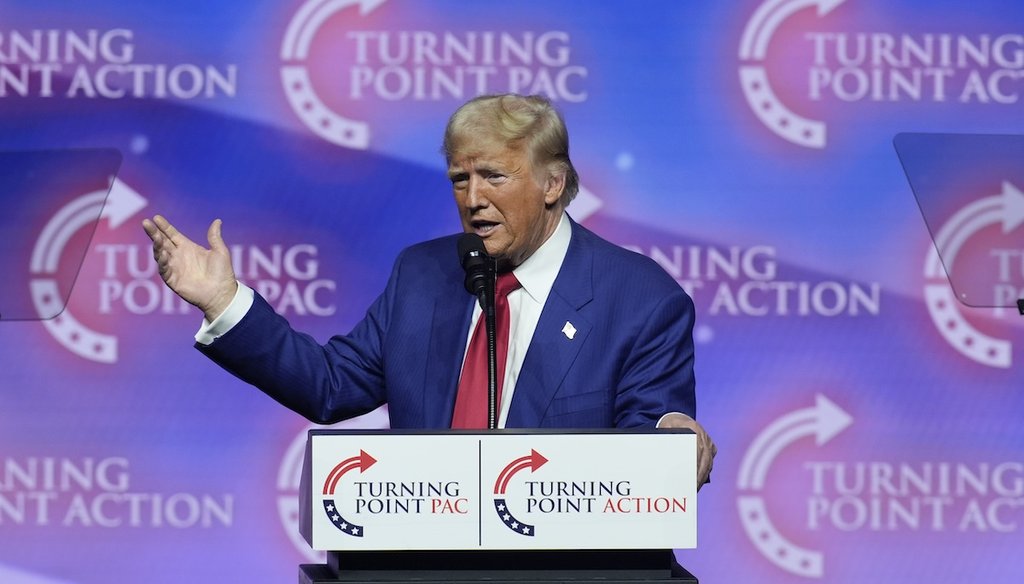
(507, 505)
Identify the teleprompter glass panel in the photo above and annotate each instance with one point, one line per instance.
(50, 204)
(970, 189)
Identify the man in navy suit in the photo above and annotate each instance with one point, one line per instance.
(598, 336)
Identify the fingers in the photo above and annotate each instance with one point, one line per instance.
(160, 244)
(172, 234)
(160, 230)
(706, 452)
(706, 449)
(163, 260)
(213, 236)
(166, 240)
(703, 469)
(151, 229)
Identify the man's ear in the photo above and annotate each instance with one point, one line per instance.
(554, 186)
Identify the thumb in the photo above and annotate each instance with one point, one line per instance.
(214, 238)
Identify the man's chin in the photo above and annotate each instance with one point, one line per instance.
(495, 248)
(501, 258)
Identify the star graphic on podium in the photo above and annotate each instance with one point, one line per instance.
(339, 521)
(511, 522)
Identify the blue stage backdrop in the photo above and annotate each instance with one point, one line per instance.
(866, 432)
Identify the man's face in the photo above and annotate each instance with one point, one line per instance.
(503, 199)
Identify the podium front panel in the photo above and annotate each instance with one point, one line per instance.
(503, 490)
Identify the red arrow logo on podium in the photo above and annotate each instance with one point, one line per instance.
(533, 461)
(362, 462)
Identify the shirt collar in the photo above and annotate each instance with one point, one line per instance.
(537, 274)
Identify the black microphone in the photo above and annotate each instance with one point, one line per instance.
(480, 275)
(476, 262)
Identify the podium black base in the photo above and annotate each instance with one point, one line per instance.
(497, 567)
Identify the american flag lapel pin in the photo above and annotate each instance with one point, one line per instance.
(568, 330)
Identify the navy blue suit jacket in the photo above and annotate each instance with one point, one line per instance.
(630, 361)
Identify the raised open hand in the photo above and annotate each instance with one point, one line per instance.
(202, 277)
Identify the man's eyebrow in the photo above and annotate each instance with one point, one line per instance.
(492, 166)
(484, 166)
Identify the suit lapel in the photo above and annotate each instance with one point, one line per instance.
(452, 313)
(553, 348)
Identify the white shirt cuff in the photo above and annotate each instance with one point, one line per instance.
(662, 419)
(232, 315)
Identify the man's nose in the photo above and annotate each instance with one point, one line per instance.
(476, 196)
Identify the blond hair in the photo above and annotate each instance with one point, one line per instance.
(518, 119)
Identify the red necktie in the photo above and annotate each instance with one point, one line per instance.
(471, 401)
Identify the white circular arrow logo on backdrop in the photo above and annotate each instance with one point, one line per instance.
(1006, 209)
(823, 421)
(754, 75)
(121, 204)
(318, 117)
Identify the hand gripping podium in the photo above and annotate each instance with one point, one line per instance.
(499, 506)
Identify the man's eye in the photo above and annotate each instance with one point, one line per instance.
(496, 178)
